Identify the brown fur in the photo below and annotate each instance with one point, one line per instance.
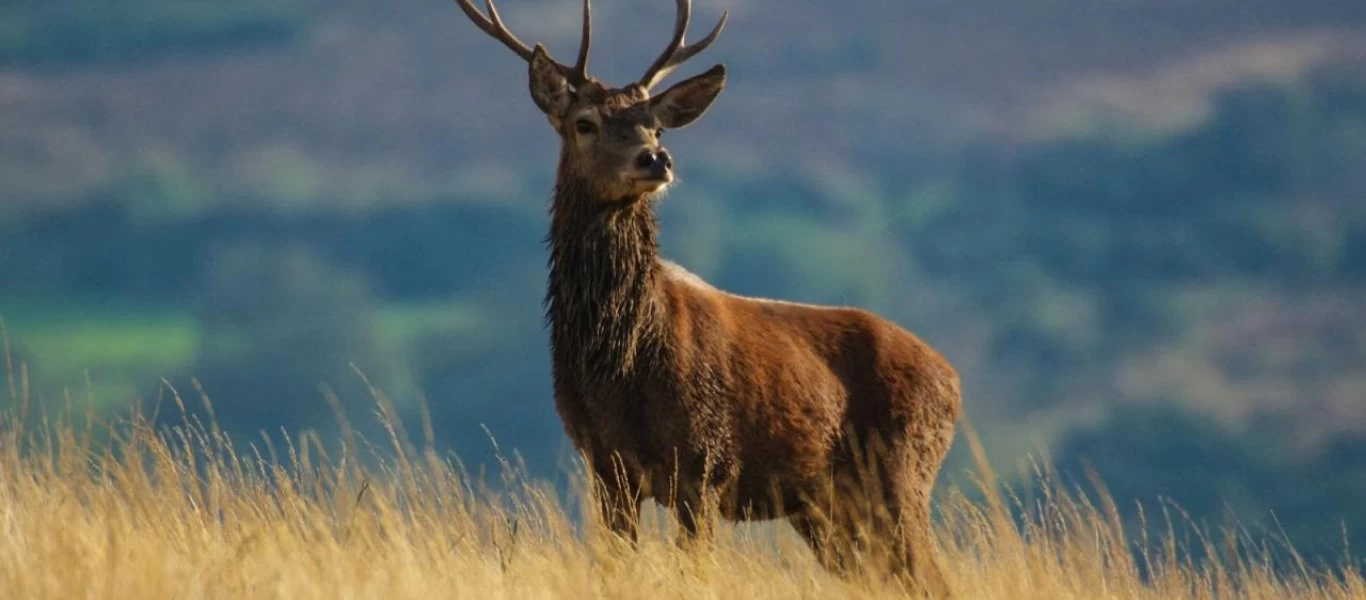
(833, 418)
(662, 379)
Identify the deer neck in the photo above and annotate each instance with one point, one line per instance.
(603, 303)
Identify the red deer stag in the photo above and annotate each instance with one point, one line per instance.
(677, 391)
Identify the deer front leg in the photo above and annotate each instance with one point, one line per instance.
(689, 522)
(617, 495)
(698, 510)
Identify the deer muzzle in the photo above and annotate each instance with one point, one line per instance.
(655, 162)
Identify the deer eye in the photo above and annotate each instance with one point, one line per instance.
(659, 133)
(585, 127)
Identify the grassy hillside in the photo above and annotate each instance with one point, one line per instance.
(124, 511)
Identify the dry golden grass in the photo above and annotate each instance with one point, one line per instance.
(124, 510)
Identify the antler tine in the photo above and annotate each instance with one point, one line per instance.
(681, 18)
(493, 25)
(580, 74)
(676, 53)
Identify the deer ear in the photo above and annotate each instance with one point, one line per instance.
(549, 88)
(688, 99)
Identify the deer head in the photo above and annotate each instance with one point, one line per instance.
(610, 137)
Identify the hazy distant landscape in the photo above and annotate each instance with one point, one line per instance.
(1138, 228)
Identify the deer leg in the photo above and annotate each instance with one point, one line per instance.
(697, 512)
(618, 498)
(912, 549)
(908, 508)
(830, 541)
(822, 521)
(816, 532)
(622, 516)
(689, 525)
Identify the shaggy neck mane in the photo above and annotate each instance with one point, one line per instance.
(603, 302)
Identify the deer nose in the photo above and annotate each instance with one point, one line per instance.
(656, 161)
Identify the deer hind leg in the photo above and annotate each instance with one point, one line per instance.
(912, 555)
(910, 471)
(830, 525)
(826, 540)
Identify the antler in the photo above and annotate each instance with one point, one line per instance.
(676, 53)
(493, 25)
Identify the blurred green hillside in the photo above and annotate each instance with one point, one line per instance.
(1138, 228)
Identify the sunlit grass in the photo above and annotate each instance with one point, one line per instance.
(91, 507)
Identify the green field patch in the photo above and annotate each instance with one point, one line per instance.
(107, 350)
(115, 350)
(403, 323)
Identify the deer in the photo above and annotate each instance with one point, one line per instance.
(675, 391)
